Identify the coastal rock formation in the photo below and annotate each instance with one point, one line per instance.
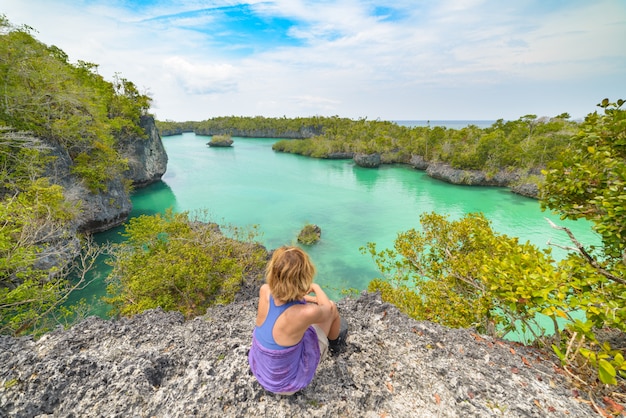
(470, 177)
(147, 158)
(340, 156)
(503, 178)
(303, 132)
(310, 234)
(418, 162)
(156, 364)
(367, 160)
(98, 211)
(220, 141)
(526, 189)
(104, 210)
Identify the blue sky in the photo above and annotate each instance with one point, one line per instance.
(393, 60)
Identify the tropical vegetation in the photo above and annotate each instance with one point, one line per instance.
(461, 273)
(528, 143)
(51, 108)
(175, 262)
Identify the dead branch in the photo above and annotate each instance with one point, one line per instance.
(582, 251)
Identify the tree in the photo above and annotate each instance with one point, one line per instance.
(589, 182)
(178, 263)
(463, 274)
(35, 238)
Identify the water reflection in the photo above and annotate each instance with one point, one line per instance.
(366, 177)
(152, 199)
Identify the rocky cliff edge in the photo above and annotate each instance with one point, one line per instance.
(156, 364)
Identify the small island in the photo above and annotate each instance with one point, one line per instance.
(220, 141)
(310, 234)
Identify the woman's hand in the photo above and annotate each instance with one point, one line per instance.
(310, 299)
(315, 288)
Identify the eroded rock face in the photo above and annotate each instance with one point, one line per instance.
(340, 156)
(502, 178)
(418, 162)
(471, 177)
(100, 211)
(367, 160)
(147, 158)
(159, 365)
(526, 189)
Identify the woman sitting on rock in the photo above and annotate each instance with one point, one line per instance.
(293, 328)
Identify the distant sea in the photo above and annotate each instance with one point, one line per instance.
(451, 124)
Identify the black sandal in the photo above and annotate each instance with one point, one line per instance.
(335, 345)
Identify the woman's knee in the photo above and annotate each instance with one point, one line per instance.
(334, 310)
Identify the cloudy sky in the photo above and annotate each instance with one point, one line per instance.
(387, 59)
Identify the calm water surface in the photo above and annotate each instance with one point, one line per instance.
(250, 184)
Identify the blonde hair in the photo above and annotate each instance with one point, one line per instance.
(289, 274)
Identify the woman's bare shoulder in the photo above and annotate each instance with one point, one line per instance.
(264, 290)
(306, 313)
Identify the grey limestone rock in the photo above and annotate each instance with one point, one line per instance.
(104, 210)
(418, 162)
(156, 364)
(147, 158)
(367, 160)
(340, 156)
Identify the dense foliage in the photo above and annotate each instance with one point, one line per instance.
(177, 263)
(68, 104)
(257, 126)
(461, 273)
(527, 143)
(33, 214)
(457, 273)
(48, 103)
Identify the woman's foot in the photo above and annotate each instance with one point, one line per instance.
(336, 345)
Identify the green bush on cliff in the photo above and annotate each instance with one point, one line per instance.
(177, 263)
(33, 213)
(68, 104)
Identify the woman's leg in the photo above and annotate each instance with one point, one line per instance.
(332, 325)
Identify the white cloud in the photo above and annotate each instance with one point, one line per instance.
(202, 78)
(430, 60)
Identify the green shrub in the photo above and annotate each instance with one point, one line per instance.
(176, 263)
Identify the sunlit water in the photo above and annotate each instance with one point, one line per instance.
(250, 184)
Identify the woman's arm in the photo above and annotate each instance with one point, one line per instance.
(324, 308)
(320, 296)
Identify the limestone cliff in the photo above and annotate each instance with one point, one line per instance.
(147, 158)
(503, 178)
(156, 364)
(147, 161)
